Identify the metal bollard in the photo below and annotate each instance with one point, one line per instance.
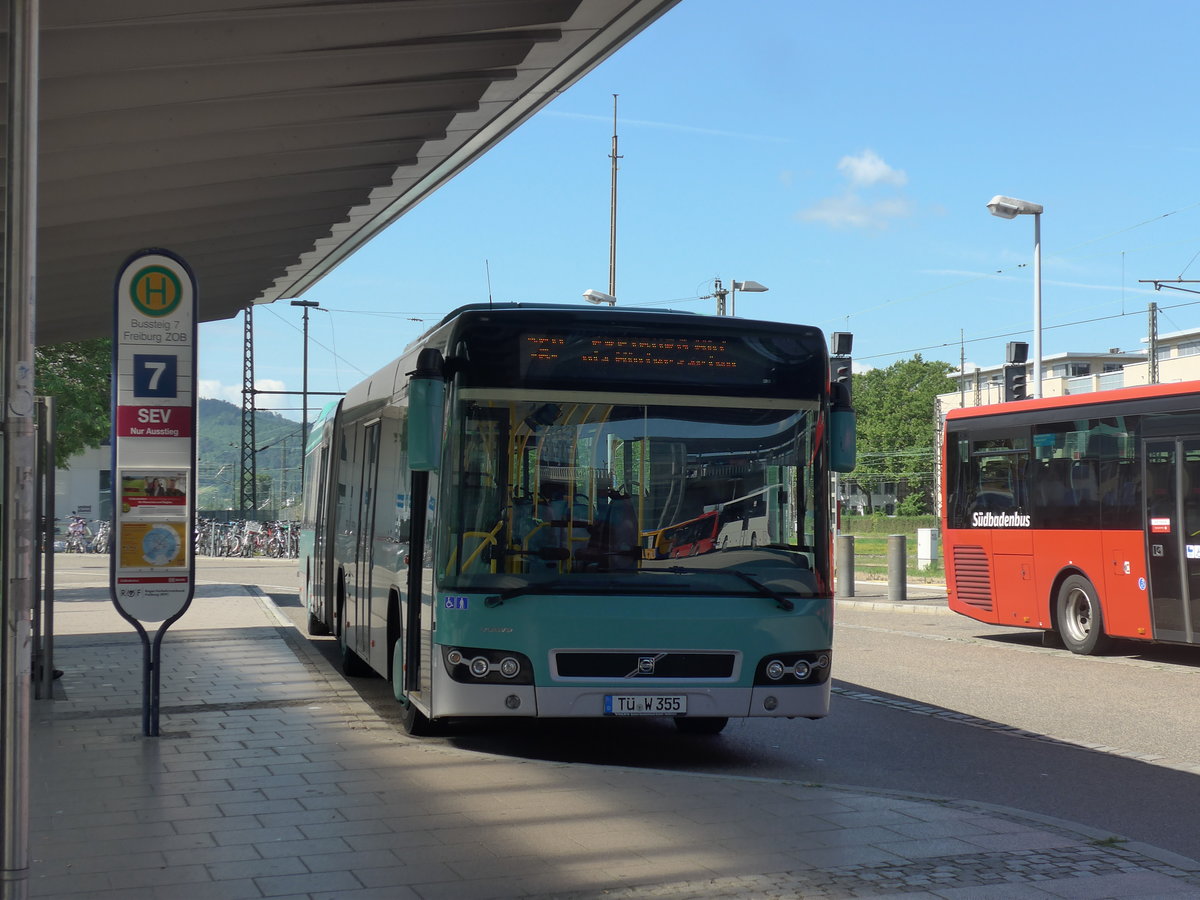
(897, 560)
(845, 565)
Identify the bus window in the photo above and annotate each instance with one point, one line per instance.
(987, 476)
(1080, 471)
(546, 489)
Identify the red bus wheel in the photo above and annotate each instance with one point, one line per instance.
(1080, 622)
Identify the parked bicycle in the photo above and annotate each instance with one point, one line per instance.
(79, 535)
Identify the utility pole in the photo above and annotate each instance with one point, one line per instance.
(720, 293)
(1153, 373)
(612, 220)
(310, 304)
(1160, 283)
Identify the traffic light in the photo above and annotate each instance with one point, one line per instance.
(1016, 386)
(839, 370)
(840, 363)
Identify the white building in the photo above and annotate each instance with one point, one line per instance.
(85, 488)
(1177, 356)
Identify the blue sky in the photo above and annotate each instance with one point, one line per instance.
(842, 154)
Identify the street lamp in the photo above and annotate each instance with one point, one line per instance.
(599, 297)
(307, 305)
(751, 287)
(1010, 208)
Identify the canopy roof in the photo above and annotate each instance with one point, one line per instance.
(264, 141)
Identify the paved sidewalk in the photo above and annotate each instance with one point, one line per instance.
(271, 778)
(917, 597)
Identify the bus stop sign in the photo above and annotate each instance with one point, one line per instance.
(153, 437)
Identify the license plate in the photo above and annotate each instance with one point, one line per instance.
(645, 705)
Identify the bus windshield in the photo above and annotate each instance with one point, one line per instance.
(569, 492)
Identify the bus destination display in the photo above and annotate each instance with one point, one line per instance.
(630, 358)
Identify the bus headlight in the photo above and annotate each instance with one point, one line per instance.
(479, 665)
(806, 668)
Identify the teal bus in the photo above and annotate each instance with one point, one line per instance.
(483, 517)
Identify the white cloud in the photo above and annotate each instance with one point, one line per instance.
(233, 393)
(215, 390)
(868, 168)
(871, 198)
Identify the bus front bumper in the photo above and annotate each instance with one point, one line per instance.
(787, 701)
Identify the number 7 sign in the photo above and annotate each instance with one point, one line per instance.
(155, 376)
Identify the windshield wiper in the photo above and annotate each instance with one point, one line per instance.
(550, 587)
(782, 601)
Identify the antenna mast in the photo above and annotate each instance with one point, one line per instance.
(612, 222)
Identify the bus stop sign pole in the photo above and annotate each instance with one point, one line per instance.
(152, 566)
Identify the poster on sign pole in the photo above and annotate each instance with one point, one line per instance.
(152, 568)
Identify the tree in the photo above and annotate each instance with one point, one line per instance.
(77, 375)
(897, 434)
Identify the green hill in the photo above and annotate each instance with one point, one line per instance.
(219, 451)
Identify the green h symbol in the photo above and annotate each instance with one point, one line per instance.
(156, 291)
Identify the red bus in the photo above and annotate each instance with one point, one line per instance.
(693, 537)
(1078, 515)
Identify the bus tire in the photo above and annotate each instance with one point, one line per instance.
(1080, 622)
(414, 721)
(700, 724)
(352, 664)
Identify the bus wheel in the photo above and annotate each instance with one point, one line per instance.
(352, 664)
(414, 721)
(700, 724)
(1080, 622)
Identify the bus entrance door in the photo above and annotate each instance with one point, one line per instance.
(1172, 490)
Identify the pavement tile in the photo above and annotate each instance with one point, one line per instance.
(209, 855)
(352, 861)
(301, 817)
(229, 889)
(1029, 839)
(926, 847)
(259, 833)
(256, 868)
(300, 848)
(422, 873)
(213, 821)
(180, 876)
(91, 889)
(1125, 886)
(310, 883)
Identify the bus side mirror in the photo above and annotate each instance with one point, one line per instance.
(426, 411)
(843, 429)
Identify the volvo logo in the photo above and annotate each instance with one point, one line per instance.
(645, 666)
